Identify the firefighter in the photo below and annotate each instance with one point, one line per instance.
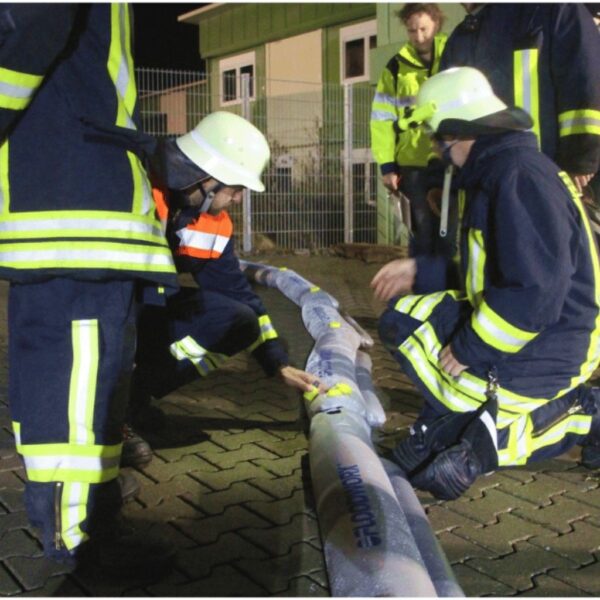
(501, 351)
(202, 174)
(542, 58)
(402, 156)
(79, 240)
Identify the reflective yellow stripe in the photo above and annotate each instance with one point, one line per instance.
(267, 331)
(17, 88)
(205, 361)
(406, 303)
(71, 462)
(497, 332)
(427, 368)
(86, 255)
(79, 223)
(467, 392)
(593, 354)
(475, 276)
(120, 68)
(73, 508)
(519, 446)
(578, 424)
(579, 121)
(85, 341)
(4, 181)
(526, 85)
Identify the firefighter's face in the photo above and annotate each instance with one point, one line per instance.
(225, 197)
(421, 29)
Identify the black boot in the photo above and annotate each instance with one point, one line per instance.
(136, 451)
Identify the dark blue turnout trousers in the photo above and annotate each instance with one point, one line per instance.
(191, 337)
(529, 426)
(71, 351)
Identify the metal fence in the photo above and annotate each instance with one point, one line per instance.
(321, 181)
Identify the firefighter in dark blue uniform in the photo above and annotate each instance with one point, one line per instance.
(78, 236)
(542, 58)
(501, 351)
(201, 174)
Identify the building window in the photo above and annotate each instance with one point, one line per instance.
(355, 43)
(231, 70)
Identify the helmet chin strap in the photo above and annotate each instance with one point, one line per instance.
(209, 195)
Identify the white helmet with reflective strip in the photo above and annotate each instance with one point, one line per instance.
(228, 148)
(461, 101)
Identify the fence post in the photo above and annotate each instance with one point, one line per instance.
(348, 143)
(247, 201)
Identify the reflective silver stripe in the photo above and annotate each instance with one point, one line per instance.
(82, 226)
(497, 336)
(202, 240)
(526, 83)
(73, 512)
(66, 462)
(381, 115)
(394, 101)
(488, 421)
(77, 256)
(16, 91)
(82, 392)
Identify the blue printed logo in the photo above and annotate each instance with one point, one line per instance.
(365, 531)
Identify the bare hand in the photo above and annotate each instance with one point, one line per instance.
(395, 278)
(434, 199)
(391, 181)
(449, 363)
(301, 380)
(581, 181)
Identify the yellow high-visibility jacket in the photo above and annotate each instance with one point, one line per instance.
(397, 87)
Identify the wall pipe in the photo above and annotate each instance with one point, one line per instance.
(377, 540)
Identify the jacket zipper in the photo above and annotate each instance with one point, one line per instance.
(58, 541)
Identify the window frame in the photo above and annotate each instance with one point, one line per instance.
(359, 31)
(237, 63)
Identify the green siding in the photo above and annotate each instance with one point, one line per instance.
(232, 28)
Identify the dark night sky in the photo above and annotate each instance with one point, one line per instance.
(162, 42)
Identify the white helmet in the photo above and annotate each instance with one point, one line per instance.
(228, 148)
(461, 101)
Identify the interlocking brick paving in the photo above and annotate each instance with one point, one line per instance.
(230, 486)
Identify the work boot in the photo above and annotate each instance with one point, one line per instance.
(136, 451)
(119, 551)
(590, 451)
(130, 486)
(427, 440)
(451, 473)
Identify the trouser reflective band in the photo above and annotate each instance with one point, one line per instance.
(267, 332)
(188, 349)
(523, 441)
(70, 463)
(70, 508)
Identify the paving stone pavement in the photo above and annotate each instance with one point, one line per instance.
(229, 485)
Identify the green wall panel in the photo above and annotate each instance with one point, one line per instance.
(231, 28)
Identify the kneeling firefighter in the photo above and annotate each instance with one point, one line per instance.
(197, 177)
(502, 350)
